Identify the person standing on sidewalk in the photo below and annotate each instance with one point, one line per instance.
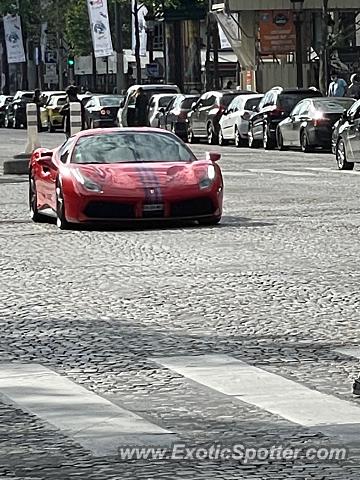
(337, 87)
(141, 104)
(37, 100)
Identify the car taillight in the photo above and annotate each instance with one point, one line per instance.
(278, 112)
(319, 119)
(104, 112)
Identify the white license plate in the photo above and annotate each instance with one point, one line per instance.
(156, 207)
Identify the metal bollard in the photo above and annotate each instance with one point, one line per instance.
(75, 118)
(33, 141)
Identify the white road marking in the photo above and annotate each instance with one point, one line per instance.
(238, 174)
(266, 390)
(90, 420)
(349, 352)
(291, 173)
(334, 170)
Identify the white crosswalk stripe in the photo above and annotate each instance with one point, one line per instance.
(271, 392)
(92, 421)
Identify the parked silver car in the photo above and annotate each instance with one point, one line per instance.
(234, 123)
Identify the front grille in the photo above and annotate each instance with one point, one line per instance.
(109, 210)
(192, 207)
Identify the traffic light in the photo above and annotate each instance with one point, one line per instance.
(71, 61)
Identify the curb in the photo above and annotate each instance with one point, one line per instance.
(18, 165)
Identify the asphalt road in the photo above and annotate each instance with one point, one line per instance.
(275, 285)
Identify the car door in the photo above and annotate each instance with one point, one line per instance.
(168, 118)
(300, 114)
(227, 118)
(355, 136)
(195, 115)
(257, 119)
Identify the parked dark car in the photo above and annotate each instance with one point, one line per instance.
(275, 106)
(4, 102)
(203, 118)
(15, 114)
(346, 137)
(310, 124)
(101, 110)
(173, 117)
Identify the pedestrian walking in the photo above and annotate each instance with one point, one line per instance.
(354, 87)
(72, 96)
(141, 106)
(37, 100)
(337, 87)
(229, 85)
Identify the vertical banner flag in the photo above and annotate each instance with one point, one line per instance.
(100, 28)
(141, 14)
(224, 42)
(14, 39)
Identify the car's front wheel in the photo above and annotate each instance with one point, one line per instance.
(33, 202)
(280, 140)
(212, 138)
(239, 142)
(61, 221)
(251, 140)
(341, 157)
(268, 142)
(190, 135)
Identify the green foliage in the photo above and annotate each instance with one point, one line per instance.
(77, 27)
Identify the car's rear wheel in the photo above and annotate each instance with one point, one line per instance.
(304, 142)
(341, 157)
(17, 123)
(222, 141)
(268, 142)
(34, 212)
(239, 142)
(212, 138)
(61, 221)
(209, 221)
(190, 136)
(251, 140)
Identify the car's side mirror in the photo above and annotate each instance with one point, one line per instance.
(213, 156)
(161, 110)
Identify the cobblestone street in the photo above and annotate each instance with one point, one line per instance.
(275, 285)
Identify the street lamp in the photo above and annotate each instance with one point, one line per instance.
(298, 21)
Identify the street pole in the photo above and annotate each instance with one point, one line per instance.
(299, 50)
(120, 76)
(107, 75)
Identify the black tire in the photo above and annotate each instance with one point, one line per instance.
(51, 127)
(222, 142)
(280, 141)
(17, 123)
(239, 142)
(252, 143)
(341, 157)
(61, 221)
(190, 136)
(212, 138)
(268, 142)
(304, 142)
(209, 221)
(34, 212)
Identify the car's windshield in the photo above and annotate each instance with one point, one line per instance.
(164, 101)
(187, 102)
(287, 101)
(133, 147)
(335, 105)
(110, 101)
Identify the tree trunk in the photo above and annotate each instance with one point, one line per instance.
(323, 57)
(137, 42)
(216, 47)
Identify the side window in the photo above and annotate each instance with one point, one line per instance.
(211, 100)
(202, 101)
(265, 101)
(171, 104)
(65, 150)
(305, 108)
(297, 109)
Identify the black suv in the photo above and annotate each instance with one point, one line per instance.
(15, 115)
(203, 119)
(276, 105)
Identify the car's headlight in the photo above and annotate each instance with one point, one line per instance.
(16, 107)
(208, 179)
(86, 182)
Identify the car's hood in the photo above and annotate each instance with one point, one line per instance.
(144, 175)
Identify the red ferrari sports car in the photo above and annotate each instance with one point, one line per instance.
(124, 174)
